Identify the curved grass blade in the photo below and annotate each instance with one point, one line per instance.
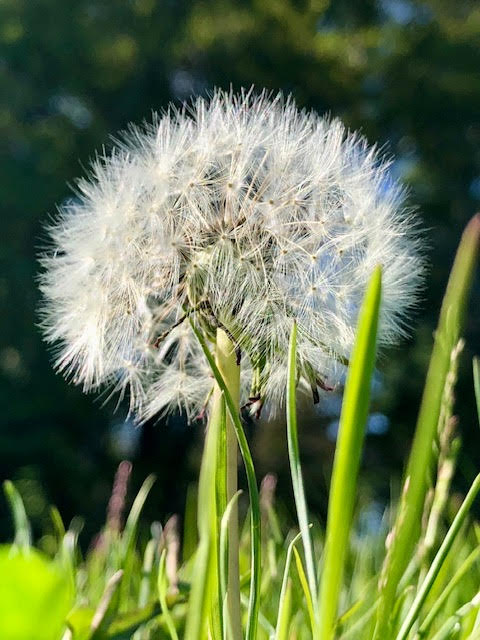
(306, 591)
(295, 466)
(439, 560)
(129, 539)
(253, 605)
(284, 613)
(450, 327)
(284, 604)
(23, 533)
(162, 586)
(348, 451)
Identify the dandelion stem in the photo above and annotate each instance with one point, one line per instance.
(226, 360)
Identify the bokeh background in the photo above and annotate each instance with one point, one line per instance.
(72, 72)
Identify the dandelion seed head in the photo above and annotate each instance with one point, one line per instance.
(246, 213)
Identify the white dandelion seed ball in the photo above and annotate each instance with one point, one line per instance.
(246, 213)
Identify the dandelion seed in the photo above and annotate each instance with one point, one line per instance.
(240, 212)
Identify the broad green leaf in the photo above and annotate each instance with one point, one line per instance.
(35, 595)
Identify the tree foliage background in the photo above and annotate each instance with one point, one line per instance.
(73, 72)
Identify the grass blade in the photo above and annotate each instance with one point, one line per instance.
(449, 589)
(295, 466)
(162, 585)
(351, 433)
(107, 608)
(421, 459)
(439, 560)
(284, 612)
(23, 534)
(284, 605)
(129, 539)
(306, 591)
(255, 519)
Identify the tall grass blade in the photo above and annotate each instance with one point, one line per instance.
(295, 466)
(439, 560)
(450, 327)
(23, 533)
(351, 433)
(255, 519)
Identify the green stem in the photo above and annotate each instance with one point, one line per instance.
(255, 519)
(225, 358)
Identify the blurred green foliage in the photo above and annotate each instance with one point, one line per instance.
(74, 71)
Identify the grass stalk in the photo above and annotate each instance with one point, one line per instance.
(348, 451)
(420, 464)
(438, 560)
(295, 466)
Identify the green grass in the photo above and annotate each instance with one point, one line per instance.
(418, 580)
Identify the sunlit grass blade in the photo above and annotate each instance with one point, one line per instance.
(23, 534)
(284, 605)
(348, 452)
(295, 466)
(162, 586)
(451, 625)
(439, 603)
(450, 327)
(255, 519)
(438, 560)
(306, 591)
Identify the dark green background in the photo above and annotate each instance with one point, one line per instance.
(74, 71)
